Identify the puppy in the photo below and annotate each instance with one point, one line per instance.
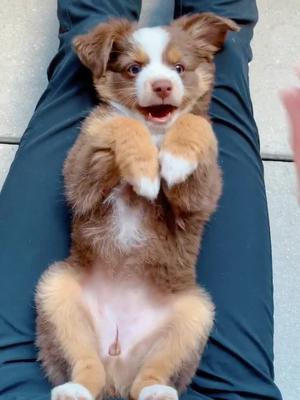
(123, 315)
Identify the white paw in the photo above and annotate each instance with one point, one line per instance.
(158, 392)
(147, 187)
(71, 391)
(175, 169)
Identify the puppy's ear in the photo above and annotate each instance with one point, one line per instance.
(94, 48)
(207, 29)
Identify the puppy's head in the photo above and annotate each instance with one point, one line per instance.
(156, 73)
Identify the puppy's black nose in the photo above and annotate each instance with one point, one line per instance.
(162, 88)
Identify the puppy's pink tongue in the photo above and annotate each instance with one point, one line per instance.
(159, 119)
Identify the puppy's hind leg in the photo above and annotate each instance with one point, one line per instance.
(181, 342)
(64, 327)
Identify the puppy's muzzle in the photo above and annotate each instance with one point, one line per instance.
(162, 88)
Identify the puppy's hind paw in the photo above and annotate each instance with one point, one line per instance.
(71, 391)
(158, 392)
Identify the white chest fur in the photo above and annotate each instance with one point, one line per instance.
(126, 223)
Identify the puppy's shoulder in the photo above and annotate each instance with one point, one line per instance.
(99, 113)
(95, 121)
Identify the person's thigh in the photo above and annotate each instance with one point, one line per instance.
(34, 222)
(235, 263)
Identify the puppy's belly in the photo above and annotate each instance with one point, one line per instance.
(124, 312)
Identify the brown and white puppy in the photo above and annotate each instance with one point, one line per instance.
(123, 315)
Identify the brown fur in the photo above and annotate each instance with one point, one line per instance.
(207, 30)
(173, 54)
(112, 149)
(95, 48)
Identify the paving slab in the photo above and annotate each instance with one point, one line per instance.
(28, 40)
(7, 153)
(284, 212)
(276, 49)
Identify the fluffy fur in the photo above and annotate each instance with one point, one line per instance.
(123, 315)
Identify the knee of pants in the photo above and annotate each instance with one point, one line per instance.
(242, 11)
(73, 12)
(231, 102)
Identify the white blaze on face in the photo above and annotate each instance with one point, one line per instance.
(153, 42)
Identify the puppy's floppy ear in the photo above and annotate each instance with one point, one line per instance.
(94, 48)
(207, 29)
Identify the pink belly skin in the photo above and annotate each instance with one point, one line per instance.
(127, 310)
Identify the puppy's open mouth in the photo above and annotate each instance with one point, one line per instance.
(159, 114)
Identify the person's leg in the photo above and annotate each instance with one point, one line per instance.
(34, 223)
(235, 263)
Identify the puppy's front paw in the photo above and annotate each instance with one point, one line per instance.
(175, 169)
(158, 392)
(141, 171)
(143, 176)
(71, 391)
(147, 187)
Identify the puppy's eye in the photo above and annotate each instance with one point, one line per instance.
(179, 68)
(134, 69)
